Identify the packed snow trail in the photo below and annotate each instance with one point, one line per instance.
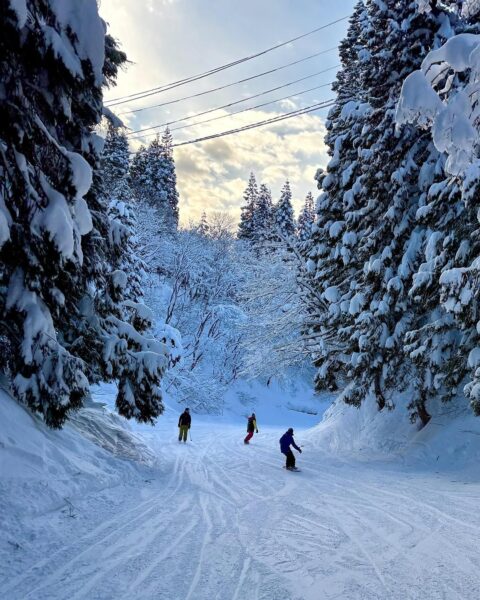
(225, 521)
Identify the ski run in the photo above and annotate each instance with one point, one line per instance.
(216, 519)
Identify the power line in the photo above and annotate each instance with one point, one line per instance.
(229, 105)
(223, 87)
(273, 70)
(290, 115)
(269, 72)
(237, 112)
(192, 78)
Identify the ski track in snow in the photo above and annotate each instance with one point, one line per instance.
(224, 521)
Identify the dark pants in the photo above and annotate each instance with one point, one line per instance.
(249, 437)
(290, 459)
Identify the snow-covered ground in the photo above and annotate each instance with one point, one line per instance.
(214, 519)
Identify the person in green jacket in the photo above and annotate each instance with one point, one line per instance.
(184, 423)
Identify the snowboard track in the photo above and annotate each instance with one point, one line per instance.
(223, 522)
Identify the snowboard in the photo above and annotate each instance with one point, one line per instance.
(295, 470)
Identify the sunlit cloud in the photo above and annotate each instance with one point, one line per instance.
(212, 175)
(167, 40)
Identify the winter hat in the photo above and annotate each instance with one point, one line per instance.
(290, 430)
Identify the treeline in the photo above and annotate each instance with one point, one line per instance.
(71, 312)
(395, 247)
(262, 221)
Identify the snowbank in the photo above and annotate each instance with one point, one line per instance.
(45, 471)
(451, 440)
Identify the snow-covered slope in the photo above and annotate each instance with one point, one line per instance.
(224, 521)
(47, 472)
(450, 441)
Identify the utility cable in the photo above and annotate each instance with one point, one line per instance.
(223, 87)
(186, 80)
(237, 112)
(149, 129)
(273, 70)
(290, 115)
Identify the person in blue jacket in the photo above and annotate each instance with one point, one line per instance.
(285, 442)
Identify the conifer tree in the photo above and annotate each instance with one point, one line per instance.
(170, 176)
(306, 219)
(137, 170)
(155, 182)
(445, 346)
(203, 227)
(284, 219)
(367, 243)
(250, 198)
(329, 259)
(61, 304)
(115, 167)
(115, 164)
(262, 222)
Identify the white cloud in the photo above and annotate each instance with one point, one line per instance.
(211, 175)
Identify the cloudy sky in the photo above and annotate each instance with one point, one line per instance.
(168, 40)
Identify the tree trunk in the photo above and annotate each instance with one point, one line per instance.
(381, 402)
(422, 412)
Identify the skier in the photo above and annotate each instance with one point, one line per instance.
(285, 442)
(184, 423)
(251, 427)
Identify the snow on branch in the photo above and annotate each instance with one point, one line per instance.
(444, 97)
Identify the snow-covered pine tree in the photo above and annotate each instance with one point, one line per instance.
(443, 96)
(389, 240)
(115, 163)
(377, 192)
(170, 177)
(262, 222)
(123, 239)
(306, 219)
(155, 183)
(284, 218)
(250, 197)
(115, 167)
(327, 327)
(203, 228)
(137, 170)
(61, 305)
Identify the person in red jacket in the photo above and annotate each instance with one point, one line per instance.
(251, 427)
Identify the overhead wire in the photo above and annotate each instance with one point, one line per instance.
(168, 123)
(273, 120)
(223, 87)
(237, 112)
(273, 70)
(220, 68)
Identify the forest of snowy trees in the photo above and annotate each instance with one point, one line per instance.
(394, 250)
(70, 315)
(376, 283)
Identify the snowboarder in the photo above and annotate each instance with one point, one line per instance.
(184, 423)
(285, 442)
(251, 427)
